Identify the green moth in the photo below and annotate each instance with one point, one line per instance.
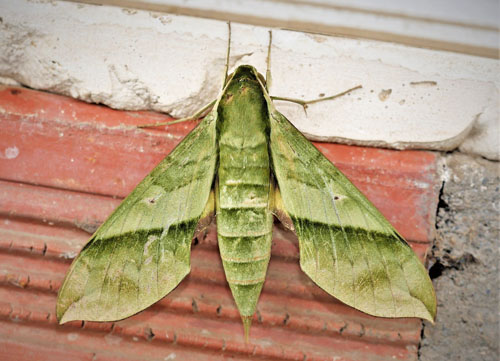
(245, 163)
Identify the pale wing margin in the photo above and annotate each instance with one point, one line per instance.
(347, 247)
(142, 251)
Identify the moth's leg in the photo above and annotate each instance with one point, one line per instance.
(268, 70)
(305, 103)
(226, 68)
(206, 217)
(278, 209)
(195, 116)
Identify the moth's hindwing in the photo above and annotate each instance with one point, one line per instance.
(142, 251)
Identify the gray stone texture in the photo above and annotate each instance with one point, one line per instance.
(465, 263)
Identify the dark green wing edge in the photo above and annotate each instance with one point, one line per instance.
(347, 247)
(142, 251)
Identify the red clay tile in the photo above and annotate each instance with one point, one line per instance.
(75, 161)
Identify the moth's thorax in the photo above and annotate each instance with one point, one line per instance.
(243, 110)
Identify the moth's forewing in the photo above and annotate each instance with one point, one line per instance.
(142, 251)
(347, 247)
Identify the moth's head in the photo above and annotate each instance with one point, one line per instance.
(249, 72)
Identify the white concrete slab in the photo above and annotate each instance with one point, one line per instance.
(465, 26)
(130, 59)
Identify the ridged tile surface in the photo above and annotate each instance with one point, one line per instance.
(65, 165)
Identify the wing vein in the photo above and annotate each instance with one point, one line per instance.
(386, 268)
(366, 259)
(332, 238)
(346, 240)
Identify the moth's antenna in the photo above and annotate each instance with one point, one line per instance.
(268, 70)
(228, 52)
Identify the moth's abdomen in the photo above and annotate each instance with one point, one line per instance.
(244, 227)
(244, 219)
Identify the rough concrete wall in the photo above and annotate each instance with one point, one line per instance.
(465, 268)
